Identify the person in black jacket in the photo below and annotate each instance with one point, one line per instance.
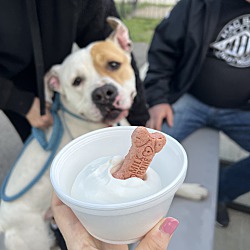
(198, 75)
(34, 35)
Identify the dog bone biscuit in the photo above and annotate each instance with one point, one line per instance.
(143, 149)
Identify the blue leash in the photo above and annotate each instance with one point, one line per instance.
(52, 145)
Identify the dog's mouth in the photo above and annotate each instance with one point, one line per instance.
(107, 100)
(111, 114)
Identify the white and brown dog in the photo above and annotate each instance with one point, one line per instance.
(96, 84)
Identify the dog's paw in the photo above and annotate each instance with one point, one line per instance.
(192, 191)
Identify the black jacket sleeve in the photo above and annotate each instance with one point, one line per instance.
(138, 114)
(94, 14)
(99, 29)
(164, 55)
(11, 98)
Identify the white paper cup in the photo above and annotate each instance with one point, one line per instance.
(122, 223)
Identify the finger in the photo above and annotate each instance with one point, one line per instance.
(170, 119)
(63, 215)
(149, 124)
(62, 212)
(48, 105)
(47, 120)
(55, 201)
(158, 124)
(42, 125)
(159, 237)
(72, 230)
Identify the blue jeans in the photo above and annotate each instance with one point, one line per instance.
(190, 114)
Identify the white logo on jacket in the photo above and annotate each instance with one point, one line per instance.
(233, 42)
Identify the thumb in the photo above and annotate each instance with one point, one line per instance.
(158, 238)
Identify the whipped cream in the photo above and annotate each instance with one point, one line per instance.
(95, 183)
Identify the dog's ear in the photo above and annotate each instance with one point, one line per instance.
(51, 83)
(120, 34)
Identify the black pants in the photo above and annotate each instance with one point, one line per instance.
(21, 125)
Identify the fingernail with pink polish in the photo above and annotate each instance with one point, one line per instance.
(169, 225)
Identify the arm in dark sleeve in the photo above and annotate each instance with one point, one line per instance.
(164, 55)
(14, 99)
(138, 114)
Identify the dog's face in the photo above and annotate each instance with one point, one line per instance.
(97, 82)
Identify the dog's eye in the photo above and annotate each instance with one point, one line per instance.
(77, 81)
(113, 65)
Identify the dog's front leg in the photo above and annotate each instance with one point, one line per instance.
(192, 191)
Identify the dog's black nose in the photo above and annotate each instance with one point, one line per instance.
(105, 94)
